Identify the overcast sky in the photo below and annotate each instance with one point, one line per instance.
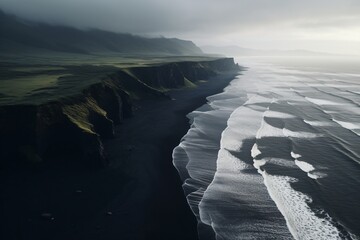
(321, 25)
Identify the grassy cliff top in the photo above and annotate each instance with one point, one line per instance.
(35, 80)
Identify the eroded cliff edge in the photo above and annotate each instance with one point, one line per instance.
(77, 124)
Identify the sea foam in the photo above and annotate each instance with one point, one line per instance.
(250, 179)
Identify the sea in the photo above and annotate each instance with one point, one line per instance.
(276, 155)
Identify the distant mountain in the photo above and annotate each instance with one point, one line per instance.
(18, 35)
(240, 51)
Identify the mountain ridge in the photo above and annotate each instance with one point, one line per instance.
(20, 35)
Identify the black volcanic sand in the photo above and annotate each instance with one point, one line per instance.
(139, 196)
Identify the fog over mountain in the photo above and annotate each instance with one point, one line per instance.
(323, 25)
(19, 36)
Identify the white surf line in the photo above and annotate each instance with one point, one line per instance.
(352, 106)
(306, 167)
(322, 102)
(242, 188)
(354, 127)
(348, 125)
(346, 151)
(302, 222)
(318, 123)
(303, 165)
(191, 144)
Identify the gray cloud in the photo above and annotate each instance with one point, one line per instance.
(144, 16)
(331, 23)
(199, 19)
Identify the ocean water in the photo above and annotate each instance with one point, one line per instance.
(276, 155)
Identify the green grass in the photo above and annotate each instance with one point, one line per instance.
(20, 87)
(38, 84)
(37, 69)
(53, 76)
(56, 59)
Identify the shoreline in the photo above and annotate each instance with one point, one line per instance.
(139, 196)
(168, 212)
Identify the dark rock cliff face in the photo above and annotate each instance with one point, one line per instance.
(78, 124)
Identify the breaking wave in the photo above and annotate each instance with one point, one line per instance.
(275, 156)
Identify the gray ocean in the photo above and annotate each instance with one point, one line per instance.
(276, 155)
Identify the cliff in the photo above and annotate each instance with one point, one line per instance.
(77, 124)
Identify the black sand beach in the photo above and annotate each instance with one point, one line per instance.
(138, 196)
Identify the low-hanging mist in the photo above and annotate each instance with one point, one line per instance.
(330, 26)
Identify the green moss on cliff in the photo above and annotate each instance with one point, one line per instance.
(79, 114)
(189, 84)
